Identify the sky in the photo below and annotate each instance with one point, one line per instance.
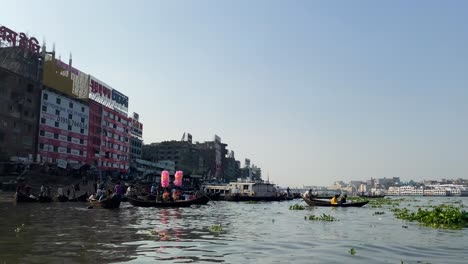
(311, 91)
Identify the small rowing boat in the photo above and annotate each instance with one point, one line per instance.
(316, 202)
(108, 203)
(182, 203)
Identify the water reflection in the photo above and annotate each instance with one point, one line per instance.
(263, 232)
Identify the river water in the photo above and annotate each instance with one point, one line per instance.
(251, 233)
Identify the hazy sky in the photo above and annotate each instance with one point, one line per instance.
(310, 91)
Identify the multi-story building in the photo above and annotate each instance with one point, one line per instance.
(109, 141)
(63, 129)
(136, 137)
(109, 145)
(20, 91)
(183, 153)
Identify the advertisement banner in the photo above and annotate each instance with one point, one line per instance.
(107, 96)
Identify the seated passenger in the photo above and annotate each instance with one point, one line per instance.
(334, 200)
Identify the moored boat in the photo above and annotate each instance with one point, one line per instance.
(181, 203)
(371, 195)
(108, 203)
(81, 198)
(316, 202)
(45, 199)
(23, 198)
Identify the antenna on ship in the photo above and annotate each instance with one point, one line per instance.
(268, 177)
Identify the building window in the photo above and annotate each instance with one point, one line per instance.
(56, 124)
(41, 132)
(26, 113)
(57, 112)
(81, 153)
(82, 120)
(58, 101)
(82, 109)
(55, 135)
(82, 131)
(81, 141)
(69, 127)
(55, 149)
(45, 96)
(42, 120)
(44, 108)
(69, 139)
(68, 150)
(70, 105)
(41, 145)
(70, 116)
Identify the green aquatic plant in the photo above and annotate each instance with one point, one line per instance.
(323, 217)
(442, 216)
(352, 251)
(296, 207)
(252, 202)
(216, 228)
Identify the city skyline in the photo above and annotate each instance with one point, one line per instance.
(310, 91)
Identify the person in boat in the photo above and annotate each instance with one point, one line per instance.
(334, 199)
(343, 199)
(118, 189)
(99, 193)
(60, 191)
(153, 190)
(166, 196)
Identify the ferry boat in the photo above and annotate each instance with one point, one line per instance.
(246, 190)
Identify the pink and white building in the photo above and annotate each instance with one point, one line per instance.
(63, 129)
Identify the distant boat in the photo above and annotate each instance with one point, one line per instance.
(316, 202)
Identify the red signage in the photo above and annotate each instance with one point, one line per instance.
(20, 40)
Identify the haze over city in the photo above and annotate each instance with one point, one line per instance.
(312, 92)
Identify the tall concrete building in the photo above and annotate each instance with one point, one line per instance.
(20, 92)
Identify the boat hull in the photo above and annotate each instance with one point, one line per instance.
(22, 198)
(315, 202)
(108, 203)
(142, 203)
(45, 199)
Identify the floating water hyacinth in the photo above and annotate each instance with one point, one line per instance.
(296, 207)
(323, 217)
(352, 251)
(442, 216)
(216, 228)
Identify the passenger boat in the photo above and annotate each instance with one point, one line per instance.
(108, 203)
(247, 190)
(81, 198)
(45, 199)
(316, 202)
(23, 198)
(182, 203)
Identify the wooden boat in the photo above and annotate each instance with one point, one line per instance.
(316, 202)
(62, 198)
(182, 203)
(45, 199)
(108, 203)
(81, 198)
(23, 198)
